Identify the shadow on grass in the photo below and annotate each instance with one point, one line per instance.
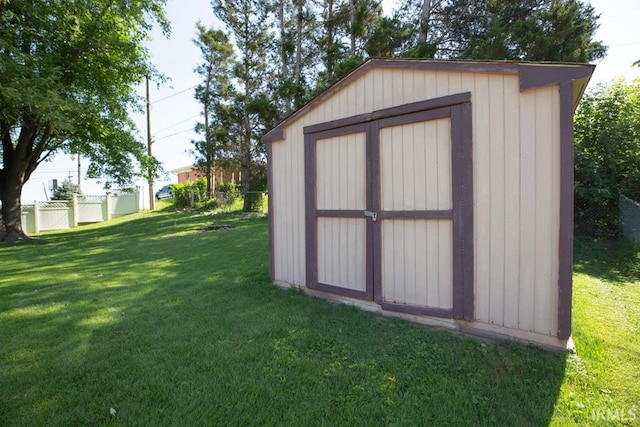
(616, 261)
(170, 326)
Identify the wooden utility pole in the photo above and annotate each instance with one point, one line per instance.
(79, 174)
(152, 200)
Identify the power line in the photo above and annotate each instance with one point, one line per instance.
(171, 151)
(177, 123)
(180, 57)
(624, 12)
(625, 44)
(171, 96)
(173, 134)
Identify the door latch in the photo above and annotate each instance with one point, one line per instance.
(372, 215)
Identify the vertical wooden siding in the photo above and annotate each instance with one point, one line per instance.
(341, 252)
(341, 177)
(516, 185)
(416, 166)
(416, 264)
(416, 175)
(341, 185)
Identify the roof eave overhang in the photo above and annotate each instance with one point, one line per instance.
(531, 74)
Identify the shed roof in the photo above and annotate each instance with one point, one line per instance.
(531, 75)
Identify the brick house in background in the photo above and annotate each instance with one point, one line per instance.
(192, 174)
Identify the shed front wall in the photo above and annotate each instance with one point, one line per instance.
(516, 174)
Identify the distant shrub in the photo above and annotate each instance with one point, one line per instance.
(227, 193)
(229, 188)
(66, 191)
(607, 155)
(256, 201)
(189, 194)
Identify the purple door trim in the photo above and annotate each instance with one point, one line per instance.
(458, 108)
(312, 213)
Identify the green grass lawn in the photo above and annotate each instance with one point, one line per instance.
(171, 326)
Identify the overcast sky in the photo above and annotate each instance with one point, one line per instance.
(174, 110)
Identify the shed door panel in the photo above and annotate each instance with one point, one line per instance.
(415, 166)
(341, 177)
(341, 198)
(341, 252)
(416, 225)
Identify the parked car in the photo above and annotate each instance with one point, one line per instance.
(164, 193)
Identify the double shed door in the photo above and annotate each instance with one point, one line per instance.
(389, 207)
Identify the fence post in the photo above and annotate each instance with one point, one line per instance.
(137, 196)
(629, 218)
(108, 202)
(36, 217)
(74, 209)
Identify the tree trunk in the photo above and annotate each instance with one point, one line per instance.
(208, 151)
(10, 193)
(246, 165)
(425, 16)
(330, 56)
(284, 66)
(18, 163)
(352, 19)
(298, 66)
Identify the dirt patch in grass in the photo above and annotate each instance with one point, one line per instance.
(215, 228)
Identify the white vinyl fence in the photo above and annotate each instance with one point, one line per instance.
(60, 214)
(630, 218)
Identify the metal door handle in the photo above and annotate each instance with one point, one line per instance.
(372, 215)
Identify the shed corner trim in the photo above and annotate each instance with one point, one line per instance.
(275, 134)
(537, 75)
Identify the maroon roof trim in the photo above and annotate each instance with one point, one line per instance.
(565, 233)
(270, 213)
(531, 75)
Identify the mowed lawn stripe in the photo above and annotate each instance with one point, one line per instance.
(172, 326)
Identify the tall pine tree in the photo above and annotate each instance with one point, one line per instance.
(247, 21)
(215, 89)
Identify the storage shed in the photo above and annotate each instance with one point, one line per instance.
(437, 191)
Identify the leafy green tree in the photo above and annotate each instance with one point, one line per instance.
(295, 54)
(359, 21)
(66, 191)
(343, 34)
(389, 38)
(428, 28)
(286, 49)
(531, 30)
(215, 89)
(607, 150)
(246, 19)
(67, 72)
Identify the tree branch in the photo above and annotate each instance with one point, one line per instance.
(33, 160)
(7, 144)
(80, 49)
